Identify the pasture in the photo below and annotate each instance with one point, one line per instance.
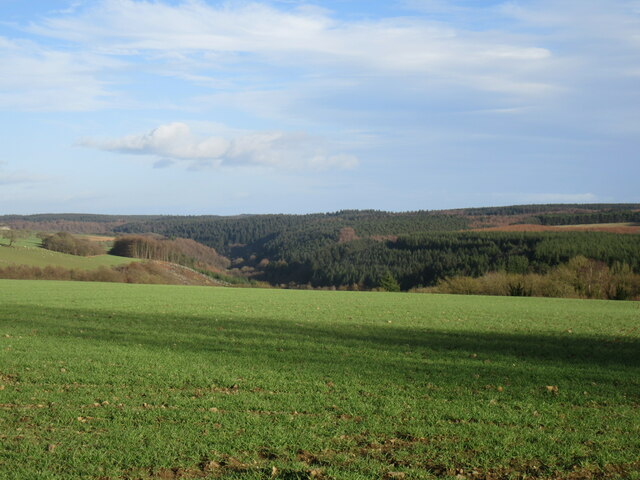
(28, 252)
(116, 381)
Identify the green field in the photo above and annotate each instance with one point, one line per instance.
(113, 381)
(28, 252)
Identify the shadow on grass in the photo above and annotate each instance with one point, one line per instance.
(391, 352)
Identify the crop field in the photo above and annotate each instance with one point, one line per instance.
(113, 381)
(28, 252)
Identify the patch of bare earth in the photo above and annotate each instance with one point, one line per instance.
(347, 234)
(182, 275)
(395, 456)
(223, 467)
(492, 221)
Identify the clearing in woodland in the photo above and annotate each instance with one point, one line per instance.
(113, 381)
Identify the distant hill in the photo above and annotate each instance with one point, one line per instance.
(366, 221)
(365, 248)
(26, 259)
(71, 222)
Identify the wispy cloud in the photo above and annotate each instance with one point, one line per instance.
(307, 38)
(20, 178)
(44, 79)
(175, 142)
(238, 47)
(430, 95)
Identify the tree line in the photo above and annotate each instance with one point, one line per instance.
(586, 218)
(579, 278)
(182, 251)
(64, 242)
(135, 272)
(548, 208)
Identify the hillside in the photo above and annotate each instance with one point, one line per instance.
(26, 259)
(228, 233)
(29, 252)
(367, 249)
(71, 222)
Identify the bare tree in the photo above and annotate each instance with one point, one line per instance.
(13, 235)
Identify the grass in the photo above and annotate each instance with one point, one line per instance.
(28, 252)
(111, 381)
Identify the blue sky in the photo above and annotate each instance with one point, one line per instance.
(208, 107)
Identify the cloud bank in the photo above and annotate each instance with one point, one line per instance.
(73, 56)
(175, 142)
(214, 36)
(520, 52)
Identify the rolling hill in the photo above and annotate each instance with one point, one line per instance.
(363, 249)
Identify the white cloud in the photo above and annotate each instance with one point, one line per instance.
(176, 142)
(558, 45)
(37, 78)
(562, 65)
(201, 43)
(303, 38)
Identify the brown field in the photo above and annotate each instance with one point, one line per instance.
(605, 227)
(491, 221)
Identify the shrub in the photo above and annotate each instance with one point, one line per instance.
(580, 277)
(64, 242)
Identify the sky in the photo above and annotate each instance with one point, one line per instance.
(190, 107)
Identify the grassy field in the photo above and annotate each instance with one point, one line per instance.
(112, 381)
(28, 252)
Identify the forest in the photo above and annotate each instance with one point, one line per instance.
(586, 218)
(182, 251)
(425, 259)
(371, 249)
(245, 235)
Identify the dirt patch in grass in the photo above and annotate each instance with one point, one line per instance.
(8, 378)
(223, 467)
(316, 464)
